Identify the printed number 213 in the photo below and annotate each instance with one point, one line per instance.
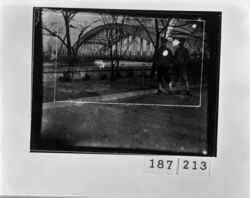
(193, 165)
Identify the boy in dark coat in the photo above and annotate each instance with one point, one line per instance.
(164, 60)
(181, 60)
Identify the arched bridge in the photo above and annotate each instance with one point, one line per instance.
(136, 41)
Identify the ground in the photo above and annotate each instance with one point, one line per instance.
(88, 88)
(61, 90)
(161, 128)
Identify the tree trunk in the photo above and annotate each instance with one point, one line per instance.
(156, 46)
(153, 69)
(67, 75)
(69, 52)
(112, 71)
(157, 39)
(118, 75)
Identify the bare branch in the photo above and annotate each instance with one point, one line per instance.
(61, 44)
(157, 26)
(133, 38)
(165, 26)
(53, 34)
(78, 44)
(146, 30)
(71, 16)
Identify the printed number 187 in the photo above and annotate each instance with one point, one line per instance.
(160, 164)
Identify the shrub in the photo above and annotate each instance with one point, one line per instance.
(104, 77)
(86, 77)
(67, 76)
(130, 74)
(119, 75)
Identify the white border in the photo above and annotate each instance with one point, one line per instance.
(145, 104)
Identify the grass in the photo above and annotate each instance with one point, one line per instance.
(88, 88)
(80, 88)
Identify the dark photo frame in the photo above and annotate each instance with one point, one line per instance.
(125, 81)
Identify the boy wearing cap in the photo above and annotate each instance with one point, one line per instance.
(181, 60)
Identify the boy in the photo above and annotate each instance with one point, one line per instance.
(164, 61)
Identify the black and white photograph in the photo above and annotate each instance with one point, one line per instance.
(124, 99)
(125, 81)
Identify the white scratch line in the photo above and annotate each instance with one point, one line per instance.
(128, 104)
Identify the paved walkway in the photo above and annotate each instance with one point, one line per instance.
(149, 97)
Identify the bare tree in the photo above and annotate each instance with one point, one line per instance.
(65, 38)
(117, 28)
